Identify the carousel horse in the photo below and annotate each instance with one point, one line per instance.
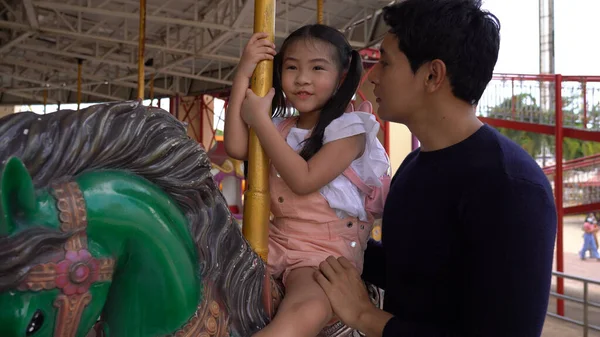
(110, 221)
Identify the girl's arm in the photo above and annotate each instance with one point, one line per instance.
(306, 177)
(235, 133)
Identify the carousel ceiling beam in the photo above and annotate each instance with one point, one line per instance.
(154, 9)
(67, 68)
(157, 71)
(361, 3)
(226, 36)
(122, 64)
(197, 77)
(74, 55)
(96, 26)
(133, 16)
(207, 48)
(191, 75)
(31, 14)
(129, 65)
(29, 97)
(58, 87)
(62, 32)
(160, 19)
(352, 21)
(209, 10)
(7, 47)
(9, 9)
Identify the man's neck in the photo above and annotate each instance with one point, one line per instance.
(443, 126)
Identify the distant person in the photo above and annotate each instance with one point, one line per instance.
(590, 228)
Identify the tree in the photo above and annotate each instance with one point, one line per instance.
(525, 107)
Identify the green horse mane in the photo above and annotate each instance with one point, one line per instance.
(151, 143)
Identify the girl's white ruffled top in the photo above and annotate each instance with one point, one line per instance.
(341, 194)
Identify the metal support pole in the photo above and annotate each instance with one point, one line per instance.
(320, 12)
(141, 43)
(79, 66)
(558, 192)
(584, 92)
(586, 321)
(257, 200)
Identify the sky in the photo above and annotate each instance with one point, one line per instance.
(576, 31)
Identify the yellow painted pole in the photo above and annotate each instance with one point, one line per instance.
(320, 12)
(141, 44)
(79, 66)
(257, 200)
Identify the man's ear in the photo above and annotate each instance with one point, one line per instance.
(435, 75)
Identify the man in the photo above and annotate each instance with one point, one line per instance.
(470, 221)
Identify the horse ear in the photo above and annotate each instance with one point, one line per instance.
(17, 194)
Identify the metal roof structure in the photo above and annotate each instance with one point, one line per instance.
(192, 46)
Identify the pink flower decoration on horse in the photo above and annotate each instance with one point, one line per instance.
(76, 272)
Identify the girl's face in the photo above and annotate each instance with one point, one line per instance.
(310, 74)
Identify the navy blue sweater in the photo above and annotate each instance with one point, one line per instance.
(467, 242)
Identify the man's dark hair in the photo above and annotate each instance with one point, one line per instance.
(458, 32)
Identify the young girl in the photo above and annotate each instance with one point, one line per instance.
(317, 210)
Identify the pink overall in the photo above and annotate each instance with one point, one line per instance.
(305, 231)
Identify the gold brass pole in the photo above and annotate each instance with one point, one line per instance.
(257, 200)
(141, 43)
(320, 12)
(79, 66)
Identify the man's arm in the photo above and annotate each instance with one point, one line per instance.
(509, 230)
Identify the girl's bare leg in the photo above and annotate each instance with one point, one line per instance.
(304, 310)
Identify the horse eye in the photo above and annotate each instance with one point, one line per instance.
(35, 324)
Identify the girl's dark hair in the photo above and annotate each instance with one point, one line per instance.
(348, 60)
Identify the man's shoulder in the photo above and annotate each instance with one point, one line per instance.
(510, 184)
(507, 162)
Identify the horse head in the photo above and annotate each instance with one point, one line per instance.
(48, 273)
